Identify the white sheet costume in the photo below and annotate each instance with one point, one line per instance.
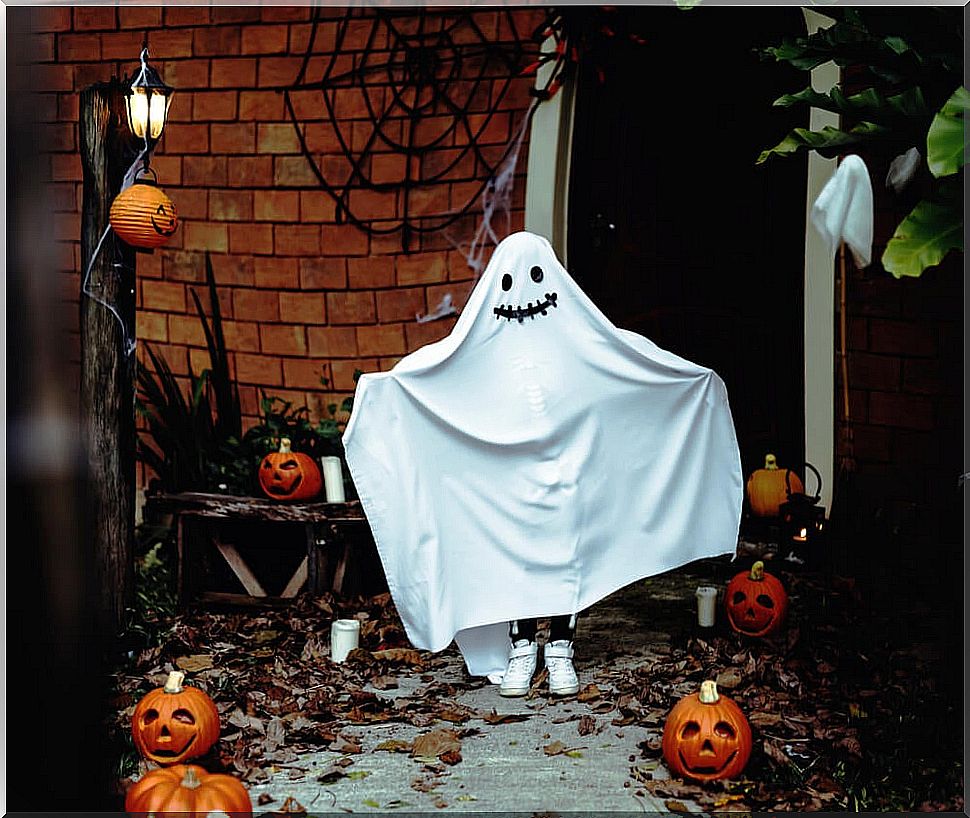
(535, 460)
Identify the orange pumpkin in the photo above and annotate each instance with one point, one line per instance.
(174, 723)
(143, 215)
(755, 602)
(187, 791)
(767, 488)
(289, 475)
(706, 736)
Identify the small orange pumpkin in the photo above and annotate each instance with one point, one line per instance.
(289, 475)
(143, 215)
(706, 736)
(755, 602)
(187, 791)
(173, 723)
(768, 489)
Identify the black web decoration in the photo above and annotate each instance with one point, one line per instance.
(429, 84)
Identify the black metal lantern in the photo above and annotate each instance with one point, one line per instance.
(146, 101)
(802, 518)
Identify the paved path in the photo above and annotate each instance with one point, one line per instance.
(504, 767)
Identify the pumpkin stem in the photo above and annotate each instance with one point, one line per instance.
(191, 779)
(771, 462)
(758, 571)
(708, 694)
(284, 445)
(174, 682)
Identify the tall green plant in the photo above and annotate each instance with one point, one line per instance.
(907, 67)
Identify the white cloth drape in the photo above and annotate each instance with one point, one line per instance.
(843, 210)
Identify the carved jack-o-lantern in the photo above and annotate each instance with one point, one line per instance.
(755, 602)
(173, 723)
(143, 215)
(289, 475)
(188, 791)
(706, 736)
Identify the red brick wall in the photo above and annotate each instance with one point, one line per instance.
(303, 297)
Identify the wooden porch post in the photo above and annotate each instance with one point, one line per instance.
(107, 370)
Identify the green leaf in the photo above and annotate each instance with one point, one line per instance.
(370, 802)
(946, 141)
(924, 237)
(828, 139)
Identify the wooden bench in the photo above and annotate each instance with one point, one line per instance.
(203, 520)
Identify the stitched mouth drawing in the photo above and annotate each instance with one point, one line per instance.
(529, 311)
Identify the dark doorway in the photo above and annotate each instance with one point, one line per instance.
(705, 255)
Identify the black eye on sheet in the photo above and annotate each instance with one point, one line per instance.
(536, 273)
(506, 282)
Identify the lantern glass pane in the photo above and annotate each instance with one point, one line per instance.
(138, 112)
(156, 114)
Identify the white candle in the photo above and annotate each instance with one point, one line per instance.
(333, 479)
(706, 599)
(344, 637)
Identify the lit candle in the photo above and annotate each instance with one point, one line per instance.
(801, 536)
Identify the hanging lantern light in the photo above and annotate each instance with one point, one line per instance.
(143, 216)
(146, 101)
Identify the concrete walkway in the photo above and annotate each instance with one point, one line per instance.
(504, 767)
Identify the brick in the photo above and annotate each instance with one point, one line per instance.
(260, 105)
(321, 137)
(872, 443)
(296, 240)
(302, 374)
(932, 377)
(255, 305)
(230, 205)
(916, 448)
(343, 240)
(238, 137)
(317, 206)
(151, 326)
(420, 334)
(66, 168)
(350, 307)
(204, 171)
(190, 202)
(308, 106)
(459, 292)
(206, 236)
(232, 270)
(233, 73)
(216, 41)
(40, 47)
(186, 138)
(251, 171)
(281, 339)
(182, 265)
(67, 226)
(275, 72)
(55, 137)
(141, 17)
(371, 272)
(303, 308)
(875, 296)
(400, 304)
(185, 75)
(373, 204)
(381, 339)
(430, 201)
(186, 16)
(388, 168)
(163, 295)
(264, 370)
(177, 359)
(284, 14)
(214, 105)
(343, 371)
(52, 78)
(95, 18)
(332, 342)
(904, 411)
(79, 47)
(292, 171)
(323, 273)
(905, 338)
(879, 372)
(388, 364)
(276, 205)
(67, 107)
(277, 138)
(276, 273)
(183, 331)
(264, 39)
(421, 268)
(241, 336)
(251, 238)
(234, 14)
(50, 19)
(122, 45)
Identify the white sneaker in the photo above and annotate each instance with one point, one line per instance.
(522, 666)
(559, 662)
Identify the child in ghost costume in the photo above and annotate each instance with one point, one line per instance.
(534, 461)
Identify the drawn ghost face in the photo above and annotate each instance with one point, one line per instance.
(529, 287)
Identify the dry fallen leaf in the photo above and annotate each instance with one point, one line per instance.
(504, 718)
(451, 757)
(728, 679)
(394, 745)
(407, 656)
(587, 725)
(675, 806)
(588, 693)
(435, 743)
(554, 749)
(194, 663)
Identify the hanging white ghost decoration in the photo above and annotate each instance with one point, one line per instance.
(536, 460)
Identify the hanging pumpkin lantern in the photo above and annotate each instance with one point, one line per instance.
(289, 475)
(143, 215)
(187, 791)
(706, 736)
(768, 488)
(174, 723)
(755, 602)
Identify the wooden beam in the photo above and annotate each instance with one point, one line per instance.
(296, 581)
(107, 370)
(239, 568)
